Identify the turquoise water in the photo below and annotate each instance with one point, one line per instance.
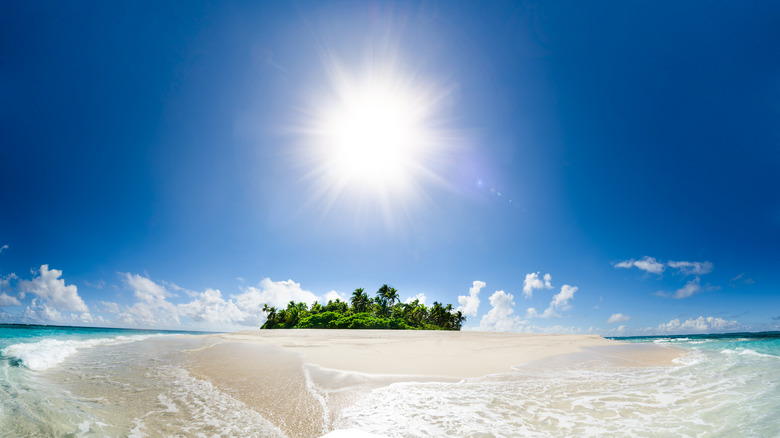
(722, 386)
(767, 343)
(96, 382)
(39, 347)
(84, 382)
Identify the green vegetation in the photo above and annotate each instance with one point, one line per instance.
(385, 311)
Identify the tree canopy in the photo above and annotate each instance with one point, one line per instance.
(384, 311)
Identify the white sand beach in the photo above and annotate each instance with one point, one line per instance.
(437, 353)
(301, 380)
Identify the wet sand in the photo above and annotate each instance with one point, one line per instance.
(301, 379)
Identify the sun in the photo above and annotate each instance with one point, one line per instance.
(374, 136)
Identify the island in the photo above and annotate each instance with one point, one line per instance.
(384, 311)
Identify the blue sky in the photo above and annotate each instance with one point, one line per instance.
(604, 168)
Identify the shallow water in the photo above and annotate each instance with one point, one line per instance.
(113, 383)
(722, 386)
(127, 383)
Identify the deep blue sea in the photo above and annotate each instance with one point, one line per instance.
(94, 382)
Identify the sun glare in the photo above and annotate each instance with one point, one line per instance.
(373, 137)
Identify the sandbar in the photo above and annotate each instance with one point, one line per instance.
(300, 380)
(446, 354)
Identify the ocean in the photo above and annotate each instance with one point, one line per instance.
(80, 382)
(95, 382)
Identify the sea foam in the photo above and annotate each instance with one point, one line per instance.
(706, 394)
(49, 353)
(351, 433)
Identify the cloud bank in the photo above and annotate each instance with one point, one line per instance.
(155, 304)
(698, 325)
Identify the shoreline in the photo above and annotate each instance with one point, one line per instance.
(442, 354)
(301, 379)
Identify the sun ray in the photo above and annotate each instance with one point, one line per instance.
(371, 138)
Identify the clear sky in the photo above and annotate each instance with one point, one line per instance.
(595, 167)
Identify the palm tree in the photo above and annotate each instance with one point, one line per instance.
(359, 301)
(392, 296)
(438, 315)
(381, 299)
(408, 309)
(420, 314)
(270, 316)
(458, 320)
(281, 317)
(382, 293)
(386, 306)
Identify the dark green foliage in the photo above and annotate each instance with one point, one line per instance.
(385, 311)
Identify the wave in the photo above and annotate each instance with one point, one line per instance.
(706, 398)
(689, 341)
(746, 352)
(49, 353)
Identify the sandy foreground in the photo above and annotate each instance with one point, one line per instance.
(300, 380)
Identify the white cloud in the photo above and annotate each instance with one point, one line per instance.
(618, 318)
(175, 287)
(41, 311)
(421, 298)
(85, 318)
(274, 293)
(532, 281)
(108, 307)
(647, 264)
(689, 289)
(99, 285)
(501, 317)
(333, 296)
(559, 302)
(531, 312)
(49, 287)
(210, 307)
(5, 282)
(469, 304)
(7, 300)
(739, 279)
(692, 268)
(698, 325)
(653, 266)
(152, 309)
(145, 289)
(3, 248)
